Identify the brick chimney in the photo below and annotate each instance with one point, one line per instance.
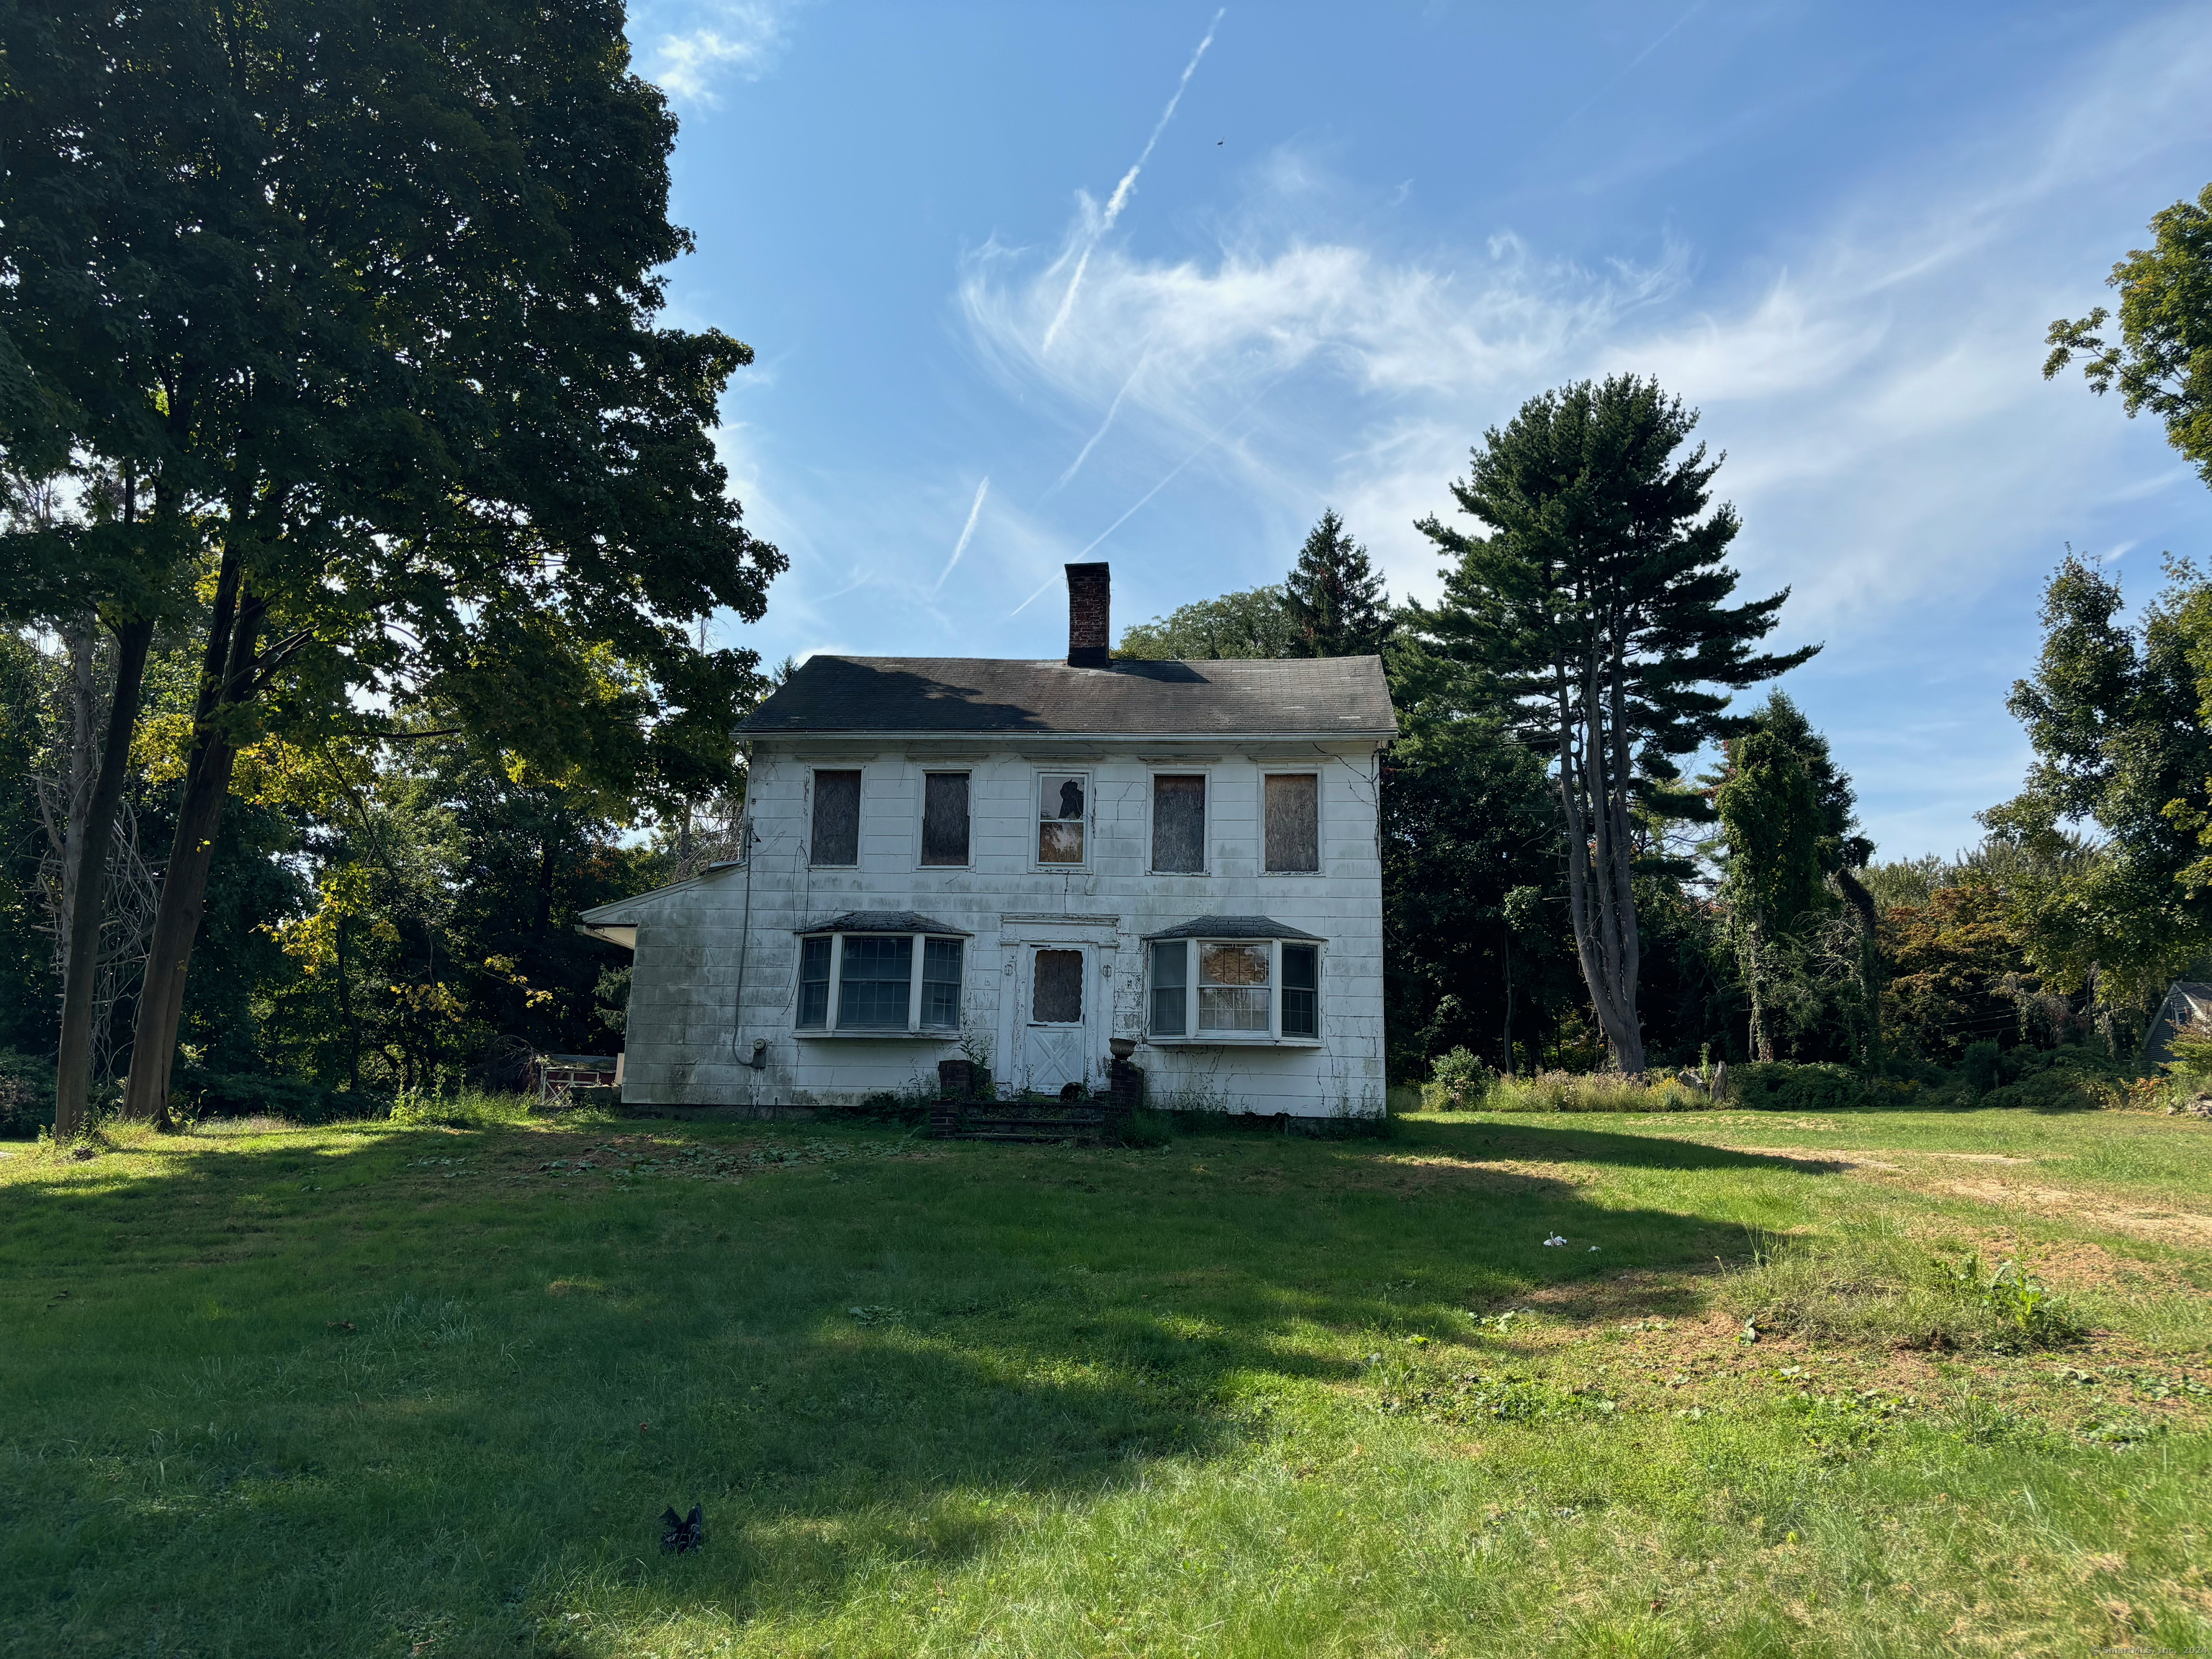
(1089, 625)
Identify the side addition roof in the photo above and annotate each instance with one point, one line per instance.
(1328, 696)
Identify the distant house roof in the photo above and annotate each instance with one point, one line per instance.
(883, 922)
(1312, 697)
(1234, 927)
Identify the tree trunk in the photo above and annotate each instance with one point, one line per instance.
(1599, 906)
(346, 1013)
(88, 888)
(226, 681)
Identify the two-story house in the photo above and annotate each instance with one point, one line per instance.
(1024, 861)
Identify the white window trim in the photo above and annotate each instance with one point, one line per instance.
(1321, 827)
(1038, 774)
(860, 815)
(921, 816)
(1152, 774)
(1272, 1037)
(829, 1030)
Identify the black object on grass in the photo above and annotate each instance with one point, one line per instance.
(680, 1533)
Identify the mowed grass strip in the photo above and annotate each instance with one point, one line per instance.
(387, 1390)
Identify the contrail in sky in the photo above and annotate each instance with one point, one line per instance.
(1120, 198)
(1633, 63)
(966, 530)
(1219, 432)
(1112, 409)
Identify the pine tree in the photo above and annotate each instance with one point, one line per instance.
(1594, 612)
(1335, 599)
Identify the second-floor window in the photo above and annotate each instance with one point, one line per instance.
(836, 838)
(1293, 826)
(945, 818)
(1179, 822)
(1063, 813)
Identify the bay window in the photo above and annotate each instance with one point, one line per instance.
(880, 973)
(1231, 980)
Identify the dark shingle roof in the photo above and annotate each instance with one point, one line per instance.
(882, 921)
(1234, 927)
(1328, 696)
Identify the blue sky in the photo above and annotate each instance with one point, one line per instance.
(1365, 234)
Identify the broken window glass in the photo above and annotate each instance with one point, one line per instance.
(1179, 824)
(1293, 822)
(1233, 988)
(945, 817)
(1056, 993)
(1060, 809)
(836, 838)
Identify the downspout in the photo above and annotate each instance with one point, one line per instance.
(759, 1060)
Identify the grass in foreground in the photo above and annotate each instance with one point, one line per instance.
(421, 1390)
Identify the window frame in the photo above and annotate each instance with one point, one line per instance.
(921, 817)
(1204, 775)
(859, 812)
(830, 1030)
(1273, 1038)
(1321, 841)
(1038, 776)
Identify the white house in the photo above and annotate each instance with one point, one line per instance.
(1023, 862)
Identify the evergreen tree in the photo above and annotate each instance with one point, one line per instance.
(1334, 598)
(1594, 611)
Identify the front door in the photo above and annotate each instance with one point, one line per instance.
(1057, 999)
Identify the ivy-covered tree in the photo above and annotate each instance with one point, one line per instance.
(1335, 599)
(1594, 608)
(384, 287)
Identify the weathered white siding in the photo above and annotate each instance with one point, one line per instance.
(691, 1022)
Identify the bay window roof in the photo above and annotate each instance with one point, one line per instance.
(1233, 927)
(887, 921)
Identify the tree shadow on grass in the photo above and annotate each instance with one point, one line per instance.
(849, 1377)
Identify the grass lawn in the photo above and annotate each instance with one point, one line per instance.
(413, 1391)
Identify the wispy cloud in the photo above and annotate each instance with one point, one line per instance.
(691, 49)
(967, 531)
(1120, 199)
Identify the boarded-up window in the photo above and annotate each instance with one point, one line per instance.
(1062, 806)
(836, 818)
(1233, 988)
(945, 817)
(1293, 822)
(1056, 992)
(1179, 823)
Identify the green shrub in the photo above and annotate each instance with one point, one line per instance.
(1783, 1085)
(1147, 1128)
(1982, 1067)
(27, 1095)
(1457, 1083)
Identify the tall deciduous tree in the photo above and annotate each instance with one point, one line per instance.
(2162, 361)
(1334, 597)
(1595, 608)
(1255, 623)
(389, 288)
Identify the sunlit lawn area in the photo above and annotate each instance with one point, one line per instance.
(415, 1391)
